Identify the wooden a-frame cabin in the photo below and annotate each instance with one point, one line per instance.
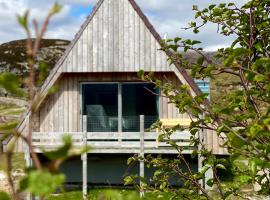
(101, 100)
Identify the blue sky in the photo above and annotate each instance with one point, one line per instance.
(78, 10)
(167, 16)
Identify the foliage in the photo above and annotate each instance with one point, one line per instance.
(4, 196)
(111, 194)
(244, 120)
(41, 182)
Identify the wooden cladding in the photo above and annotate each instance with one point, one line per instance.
(61, 111)
(116, 40)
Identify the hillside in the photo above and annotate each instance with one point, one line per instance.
(13, 56)
(13, 59)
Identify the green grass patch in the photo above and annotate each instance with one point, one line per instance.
(18, 161)
(111, 194)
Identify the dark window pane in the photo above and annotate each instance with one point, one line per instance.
(101, 107)
(139, 99)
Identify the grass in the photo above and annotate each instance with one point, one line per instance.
(111, 194)
(18, 161)
(10, 109)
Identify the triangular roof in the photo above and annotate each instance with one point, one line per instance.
(65, 64)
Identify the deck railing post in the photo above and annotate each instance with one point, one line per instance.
(28, 163)
(120, 117)
(141, 153)
(84, 159)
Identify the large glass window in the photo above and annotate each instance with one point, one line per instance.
(101, 107)
(138, 99)
(101, 104)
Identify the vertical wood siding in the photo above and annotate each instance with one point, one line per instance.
(116, 40)
(61, 110)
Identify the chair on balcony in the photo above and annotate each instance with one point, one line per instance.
(97, 119)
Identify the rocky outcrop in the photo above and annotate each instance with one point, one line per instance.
(13, 54)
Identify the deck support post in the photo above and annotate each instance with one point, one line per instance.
(200, 157)
(84, 159)
(141, 153)
(209, 174)
(28, 163)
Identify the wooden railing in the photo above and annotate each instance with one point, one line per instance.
(113, 142)
(116, 142)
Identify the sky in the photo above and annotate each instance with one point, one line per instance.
(167, 16)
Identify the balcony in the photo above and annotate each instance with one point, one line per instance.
(103, 136)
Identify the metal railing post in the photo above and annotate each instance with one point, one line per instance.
(141, 153)
(84, 159)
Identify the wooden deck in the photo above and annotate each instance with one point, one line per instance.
(114, 142)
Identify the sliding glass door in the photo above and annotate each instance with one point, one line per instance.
(100, 104)
(138, 99)
(112, 107)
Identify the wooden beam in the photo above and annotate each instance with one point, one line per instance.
(141, 153)
(84, 159)
(28, 162)
(200, 157)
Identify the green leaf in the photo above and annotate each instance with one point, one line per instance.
(11, 83)
(212, 6)
(242, 179)
(204, 169)
(141, 74)
(254, 130)
(128, 180)
(177, 39)
(23, 20)
(40, 182)
(220, 166)
(200, 60)
(227, 193)
(4, 196)
(235, 141)
(194, 7)
(62, 152)
(55, 9)
(252, 167)
(130, 160)
(259, 47)
(260, 78)
(194, 42)
(210, 182)
(158, 172)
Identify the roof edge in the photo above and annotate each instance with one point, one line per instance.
(151, 28)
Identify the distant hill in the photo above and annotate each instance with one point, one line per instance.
(13, 54)
(13, 59)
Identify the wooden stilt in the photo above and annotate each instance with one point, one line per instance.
(84, 160)
(28, 162)
(200, 157)
(208, 175)
(141, 152)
